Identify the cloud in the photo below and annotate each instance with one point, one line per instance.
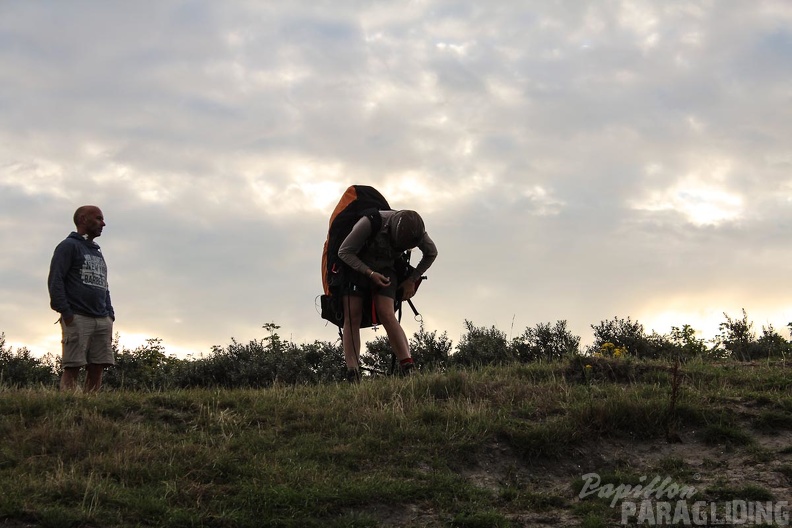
(700, 197)
(572, 161)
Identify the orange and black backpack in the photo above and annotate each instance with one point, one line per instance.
(356, 202)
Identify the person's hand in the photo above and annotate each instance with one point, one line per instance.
(68, 320)
(380, 280)
(408, 288)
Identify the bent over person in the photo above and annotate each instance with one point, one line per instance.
(78, 291)
(373, 261)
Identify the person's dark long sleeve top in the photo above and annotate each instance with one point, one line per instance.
(77, 279)
(349, 252)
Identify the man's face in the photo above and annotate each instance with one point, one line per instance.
(93, 222)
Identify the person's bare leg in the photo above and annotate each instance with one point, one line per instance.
(93, 378)
(69, 377)
(396, 335)
(353, 315)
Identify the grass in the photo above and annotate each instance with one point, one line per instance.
(488, 447)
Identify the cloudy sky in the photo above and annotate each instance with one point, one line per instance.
(573, 160)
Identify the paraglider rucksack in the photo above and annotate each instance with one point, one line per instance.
(358, 201)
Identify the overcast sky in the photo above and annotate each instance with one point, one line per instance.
(572, 160)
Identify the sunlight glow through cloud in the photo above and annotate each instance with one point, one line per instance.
(700, 205)
(700, 200)
(150, 188)
(412, 190)
(458, 49)
(546, 204)
(36, 177)
(310, 186)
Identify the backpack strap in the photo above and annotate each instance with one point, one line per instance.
(375, 218)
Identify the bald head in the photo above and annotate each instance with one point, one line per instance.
(89, 220)
(81, 211)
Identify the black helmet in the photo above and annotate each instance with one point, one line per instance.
(406, 229)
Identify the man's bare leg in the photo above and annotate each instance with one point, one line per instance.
(69, 377)
(353, 315)
(396, 335)
(93, 378)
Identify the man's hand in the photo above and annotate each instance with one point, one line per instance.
(68, 320)
(408, 289)
(380, 280)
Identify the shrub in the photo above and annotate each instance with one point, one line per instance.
(482, 346)
(19, 368)
(430, 351)
(261, 363)
(736, 337)
(546, 342)
(685, 342)
(629, 337)
(737, 340)
(235, 366)
(378, 356)
(771, 344)
(146, 367)
(626, 334)
(325, 360)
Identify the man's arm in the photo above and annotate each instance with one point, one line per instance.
(428, 256)
(353, 243)
(109, 304)
(59, 268)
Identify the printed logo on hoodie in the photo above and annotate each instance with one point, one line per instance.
(94, 272)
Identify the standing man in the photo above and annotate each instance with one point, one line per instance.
(78, 291)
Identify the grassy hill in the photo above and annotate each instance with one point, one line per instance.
(505, 446)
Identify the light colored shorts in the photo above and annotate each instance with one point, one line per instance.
(87, 341)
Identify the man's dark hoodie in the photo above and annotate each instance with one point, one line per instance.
(78, 279)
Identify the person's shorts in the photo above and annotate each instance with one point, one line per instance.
(360, 285)
(87, 341)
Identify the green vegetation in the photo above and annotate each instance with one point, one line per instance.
(270, 360)
(492, 446)
(263, 434)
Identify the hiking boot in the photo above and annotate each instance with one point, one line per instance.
(407, 369)
(353, 376)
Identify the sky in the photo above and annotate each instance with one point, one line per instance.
(573, 161)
